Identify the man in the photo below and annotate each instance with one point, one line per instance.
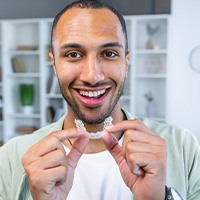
(133, 159)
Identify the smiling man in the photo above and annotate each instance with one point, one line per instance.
(130, 158)
(90, 59)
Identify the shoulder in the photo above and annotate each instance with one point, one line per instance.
(167, 131)
(20, 144)
(179, 139)
(170, 131)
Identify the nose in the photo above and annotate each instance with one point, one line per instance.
(92, 71)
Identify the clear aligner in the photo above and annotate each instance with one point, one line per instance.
(108, 122)
(79, 123)
(97, 135)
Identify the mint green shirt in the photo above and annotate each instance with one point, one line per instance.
(183, 160)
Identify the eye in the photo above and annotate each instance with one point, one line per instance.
(109, 54)
(73, 55)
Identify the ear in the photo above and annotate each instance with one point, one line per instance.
(52, 61)
(127, 62)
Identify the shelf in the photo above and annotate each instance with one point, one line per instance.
(28, 41)
(23, 115)
(125, 97)
(151, 76)
(24, 75)
(26, 52)
(54, 96)
(158, 119)
(151, 51)
(48, 63)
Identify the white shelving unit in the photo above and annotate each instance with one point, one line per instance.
(15, 34)
(147, 71)
(149, 47)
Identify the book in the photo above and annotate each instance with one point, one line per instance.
(27, 48)
(50, 114)
(26, 129)
(54, 86)
(58, 114)
(17, 65)
(1, 143)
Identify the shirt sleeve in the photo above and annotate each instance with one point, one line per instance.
(5, 174)
(192, 163)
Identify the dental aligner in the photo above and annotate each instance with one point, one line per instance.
(98, 134)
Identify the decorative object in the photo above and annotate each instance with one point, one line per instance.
(27, 98)
(150, 107)
(153, 65)
(152, 29)
(97, 135)
(194, 59)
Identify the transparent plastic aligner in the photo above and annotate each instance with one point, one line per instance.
(97, 135)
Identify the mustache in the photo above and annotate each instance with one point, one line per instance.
(92, 85)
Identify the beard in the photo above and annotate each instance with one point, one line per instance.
(82, 116)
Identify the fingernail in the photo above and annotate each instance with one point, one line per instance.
(109, 127)
(81, 130)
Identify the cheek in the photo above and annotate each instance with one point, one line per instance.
(66, 75)
(118, 74)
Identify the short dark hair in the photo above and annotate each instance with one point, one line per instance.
(92, 4)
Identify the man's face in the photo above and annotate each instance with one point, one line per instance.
(90, 62)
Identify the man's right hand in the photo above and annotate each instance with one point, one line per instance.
(49, 170)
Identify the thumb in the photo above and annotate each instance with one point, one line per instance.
(114, 148)
(77, 150)
(73, 157)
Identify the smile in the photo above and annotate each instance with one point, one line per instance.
(92, 93)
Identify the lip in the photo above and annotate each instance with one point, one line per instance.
(92, 101)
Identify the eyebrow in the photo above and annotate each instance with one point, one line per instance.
(112, 44)
(70, 45)
(78, 46)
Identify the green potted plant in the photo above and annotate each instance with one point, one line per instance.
(26, 97)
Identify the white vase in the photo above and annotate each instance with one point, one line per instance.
(151, 109)
(29, 109)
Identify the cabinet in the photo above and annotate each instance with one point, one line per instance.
(24, 46)
(148, 37)
(21, 44)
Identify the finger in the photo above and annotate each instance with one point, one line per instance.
(77, 150)
(66, 134)
(47, 178)
(157, 153)
(147, 162)
(138, 147)
(129, 124)
(51, 160)
(114, 148)
(54, 141)
(139, 136)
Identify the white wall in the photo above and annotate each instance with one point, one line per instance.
(184, 92)
(10, 9)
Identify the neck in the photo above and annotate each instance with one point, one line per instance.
(94, 145)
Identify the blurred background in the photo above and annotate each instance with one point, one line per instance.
(164, 39)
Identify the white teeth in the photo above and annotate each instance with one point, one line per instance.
(92, 94)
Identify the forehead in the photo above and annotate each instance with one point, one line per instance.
(80, 23)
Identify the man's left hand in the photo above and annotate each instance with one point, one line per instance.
(141, 159)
